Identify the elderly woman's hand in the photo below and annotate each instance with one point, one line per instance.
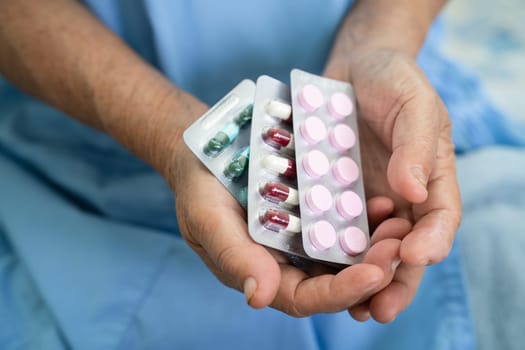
(408, 156)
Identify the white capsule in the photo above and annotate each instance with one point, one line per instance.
(293, 197)
(294, 225)
(279, 109)
(276, 164)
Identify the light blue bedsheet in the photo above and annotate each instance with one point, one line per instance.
(493, 241)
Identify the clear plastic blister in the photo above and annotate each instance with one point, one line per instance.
(331, 191)
(273, 200)
(221, 139)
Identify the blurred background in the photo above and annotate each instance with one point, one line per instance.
(488, 37)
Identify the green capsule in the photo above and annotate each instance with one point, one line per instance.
(221, 140)
(245, 116)
(238, 165)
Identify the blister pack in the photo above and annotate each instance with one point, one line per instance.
(221, 139)
(273, 200)
(331, 192)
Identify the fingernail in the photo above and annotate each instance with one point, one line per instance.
(395, 264)
(249, 287)
(423, 262)
(418, 174)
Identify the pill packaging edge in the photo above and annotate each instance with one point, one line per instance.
(334, 254)
(267, 90)
(198, 134)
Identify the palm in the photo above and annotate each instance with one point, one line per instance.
(408, 157)
(375, 157)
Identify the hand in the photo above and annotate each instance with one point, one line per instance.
(408, 156)
(214, 225)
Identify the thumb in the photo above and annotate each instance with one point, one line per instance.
(414, 147)
(240, 262)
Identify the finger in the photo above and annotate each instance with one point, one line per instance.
(242, 264)
(360, 312)
(378, 209)
(384, 254)
(438, 218)
(414, 146)
(391, 301)
(301, 296)
(396, 228)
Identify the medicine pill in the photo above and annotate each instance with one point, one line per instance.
(340, 106)
(342, 138)
(345, 171)
(316, 164)
(322, 235)
(313, 130)
(222, 139)
(279, 109)
(245, 117)
(278, 138)
(349, 205)
(273, 199)
(353, 241)
(238, 165)
(329, 181)
(279, 193)
(280, 165)
(319, 199)
(310, 98)
(277, 220)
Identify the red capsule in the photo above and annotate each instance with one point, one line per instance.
(278, 193)
(277, 220)
(277, 138)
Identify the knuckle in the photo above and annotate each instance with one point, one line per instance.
(294, 310)
(292, 306)
(197, 227)
(421, 144)
(424, 143)
(226, 259)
